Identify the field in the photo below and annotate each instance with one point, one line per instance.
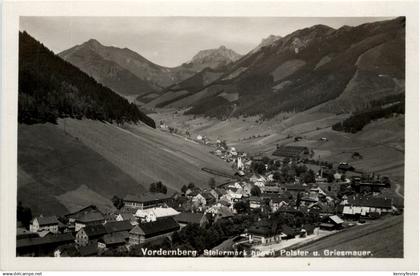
(52, 162)
(87, 161)
(381, 143)
(384, 238)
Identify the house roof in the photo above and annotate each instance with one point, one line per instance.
(137, 231)
(49, 239)
(90, 249)
(158, 212)
(189, 218)
(336, 219)
(43, 221)
(115, 238)
(221, 211)
(92, 216)
(295, 187)
(22, 233)
(375, 202)
(82, 211)
(94, 230)
(127, 216)
(118, 226)
(147, 197)
(158, 227)
(271, 189)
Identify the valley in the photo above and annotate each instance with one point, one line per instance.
(306, 131)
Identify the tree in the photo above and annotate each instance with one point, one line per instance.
(309, 177)
(212, 183)
(241, 207)
(184, 189)
(118, 202)
(158, 187)
(258, 167)
(24, 215)
(256, 191)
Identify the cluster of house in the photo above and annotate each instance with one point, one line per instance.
(90, 232)
(152, 216)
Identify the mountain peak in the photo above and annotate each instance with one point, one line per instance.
(213, 58)
(93, 42)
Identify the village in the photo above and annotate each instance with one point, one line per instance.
(270, 203)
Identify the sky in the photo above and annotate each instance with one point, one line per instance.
(171, 41)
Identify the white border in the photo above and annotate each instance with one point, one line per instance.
(309, 8)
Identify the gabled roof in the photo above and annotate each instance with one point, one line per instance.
(295, 187)
(44, 221)
(115, 238)
(93, 231)
(93, 216)
(118, 226)
(158, 212)
(49, 239)
(82, 211)
(375, 202)
(189, 218)
(127, 216)
(336, 219)
(137, 231)
(158, 227)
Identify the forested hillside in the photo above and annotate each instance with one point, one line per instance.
(51, 88)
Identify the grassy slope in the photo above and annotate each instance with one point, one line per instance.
(90, 162)
(52, 163)
(384, 238)
(148, 155)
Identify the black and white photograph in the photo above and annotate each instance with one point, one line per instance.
(240, 137)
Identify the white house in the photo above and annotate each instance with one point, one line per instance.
(152, 214)
(44, 224)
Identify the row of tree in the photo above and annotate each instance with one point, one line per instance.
(358, 121)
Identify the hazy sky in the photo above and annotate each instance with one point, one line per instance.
(170, 41)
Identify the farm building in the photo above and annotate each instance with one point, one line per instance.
(184, 219)
(89, 233)
(118, 226)
(90, 218)
(44, 223)
(263, 232)
(42, 246)
(332, 223)
(152, 214)
(294, 152)
(363, 206)
(147, 200)
(145, 232)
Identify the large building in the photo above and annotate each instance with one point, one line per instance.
(146, 200)
(294, 152)
(145, 232)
